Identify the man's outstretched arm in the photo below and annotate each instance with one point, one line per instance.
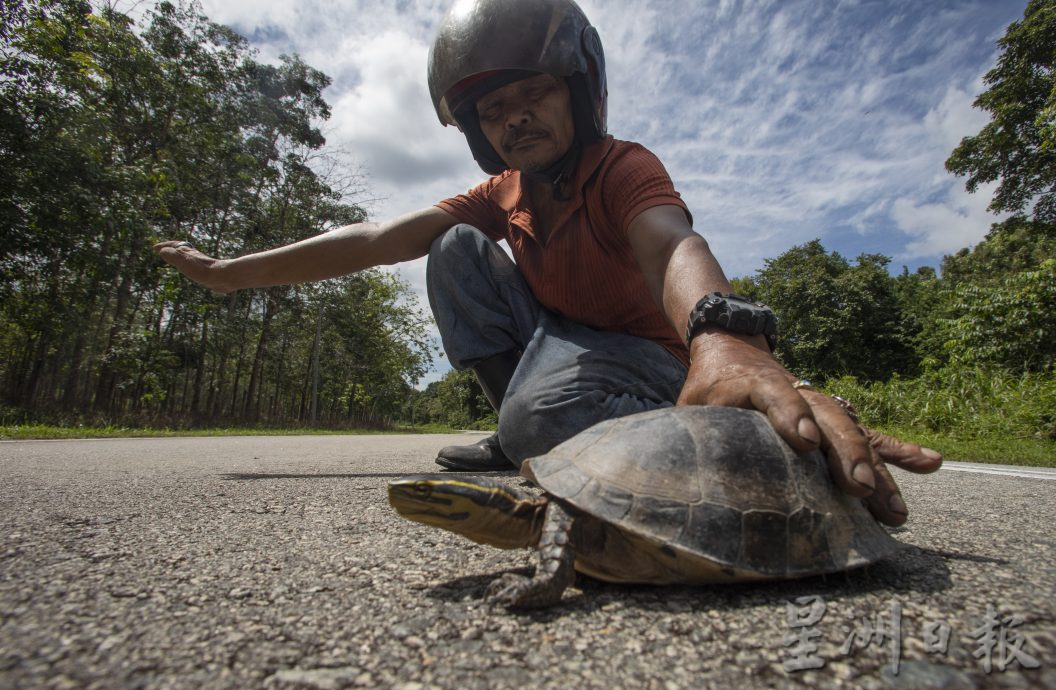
(738, 371)
(336, 253)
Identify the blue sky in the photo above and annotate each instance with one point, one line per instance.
(780, 122)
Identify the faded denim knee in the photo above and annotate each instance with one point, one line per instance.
(479, 299)
(457, 245)
(533, 420)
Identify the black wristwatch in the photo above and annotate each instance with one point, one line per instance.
(734, 314)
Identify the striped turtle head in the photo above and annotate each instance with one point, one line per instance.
(484, 510)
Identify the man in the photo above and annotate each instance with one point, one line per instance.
(611, 308)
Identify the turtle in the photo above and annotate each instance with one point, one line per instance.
(689, 495)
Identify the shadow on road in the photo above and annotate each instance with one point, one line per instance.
(969, 557)
(251, 476)
(914, 570)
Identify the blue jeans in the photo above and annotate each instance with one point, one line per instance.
(570, 376)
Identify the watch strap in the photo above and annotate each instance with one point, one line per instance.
(735, 314)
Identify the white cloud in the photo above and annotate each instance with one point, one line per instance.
(959, 220)
(954, 117)
(387, 122)
(781, 122)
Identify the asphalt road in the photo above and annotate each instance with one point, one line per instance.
(276, 563)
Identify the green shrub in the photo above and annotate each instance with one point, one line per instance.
(965, 402)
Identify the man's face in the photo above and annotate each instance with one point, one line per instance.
(529, 122)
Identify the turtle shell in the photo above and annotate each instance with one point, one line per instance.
(712, 492)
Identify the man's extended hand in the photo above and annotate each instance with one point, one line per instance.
(194, 264)
(729, 370)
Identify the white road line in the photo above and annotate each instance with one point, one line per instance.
(1004, 470)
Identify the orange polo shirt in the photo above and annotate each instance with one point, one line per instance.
(586, 270)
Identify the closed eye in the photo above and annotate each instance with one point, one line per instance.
(490, 114)
(540, 92)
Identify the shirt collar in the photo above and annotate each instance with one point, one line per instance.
(509, 193)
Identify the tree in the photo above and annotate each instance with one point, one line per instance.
(1011, 324)
(1000, 296)
(1011, 247)
(978, 311)
(112, 136)
(456, 400)
(921, 303)
(834, 318)
(1018, 146)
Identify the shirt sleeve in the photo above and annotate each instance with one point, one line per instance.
(635, 182)
(477, 208)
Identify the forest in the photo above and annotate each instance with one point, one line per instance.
(113, 136)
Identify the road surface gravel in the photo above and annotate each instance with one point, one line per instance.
(276, 562)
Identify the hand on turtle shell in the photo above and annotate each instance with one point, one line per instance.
(731, 371)
(194, 264)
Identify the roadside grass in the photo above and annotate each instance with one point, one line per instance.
(997, 450)
(26, 432)
(994, 449)
(974, 414)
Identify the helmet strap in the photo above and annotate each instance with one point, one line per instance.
(561, 172)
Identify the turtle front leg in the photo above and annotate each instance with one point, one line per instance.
(554, 572)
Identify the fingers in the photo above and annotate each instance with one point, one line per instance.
(185, 258)
(806, 419)
(855, 455)
(857, 469)
(172, 244)
(769, 390)
(850, 457)
(788, 412)
(908, 456)
(857, 459)
(885, 503)
(179, 254)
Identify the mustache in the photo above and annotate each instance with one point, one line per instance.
(516, 136)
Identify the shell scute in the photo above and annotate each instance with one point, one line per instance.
(713, 529)
(607, 502)
(666, 519)
(764, 538)
(808, 541)
(641, 455)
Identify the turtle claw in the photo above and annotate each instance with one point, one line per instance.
(520, 592)
(507, 590)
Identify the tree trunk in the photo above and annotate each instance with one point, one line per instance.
(315, 368)
(199, 372)
(104, 391)
(252, 408)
